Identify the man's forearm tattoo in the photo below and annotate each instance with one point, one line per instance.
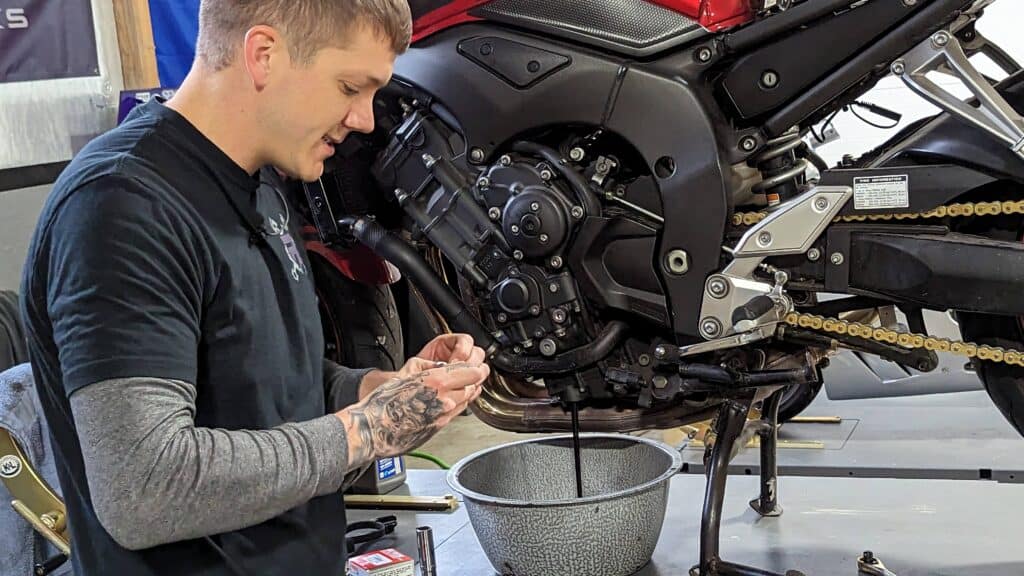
(396, 418)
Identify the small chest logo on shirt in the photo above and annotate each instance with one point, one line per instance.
(280, 230)
(10, 466)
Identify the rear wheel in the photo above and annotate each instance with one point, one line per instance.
(796, 398)
(1003, 382)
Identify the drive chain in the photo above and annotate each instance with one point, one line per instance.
(907, 339)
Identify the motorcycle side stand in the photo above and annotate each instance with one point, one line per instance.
(729, 425)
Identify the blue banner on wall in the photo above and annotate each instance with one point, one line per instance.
(175, 28)
(45, 40)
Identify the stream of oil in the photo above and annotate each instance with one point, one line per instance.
(576, 448)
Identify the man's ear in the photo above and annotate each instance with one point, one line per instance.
(263, 50)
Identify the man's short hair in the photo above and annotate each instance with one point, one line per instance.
(310, 25)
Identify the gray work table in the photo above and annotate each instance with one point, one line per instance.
(917, 527)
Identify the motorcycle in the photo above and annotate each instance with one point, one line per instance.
(614, 198)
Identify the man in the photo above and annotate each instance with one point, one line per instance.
(172, 321)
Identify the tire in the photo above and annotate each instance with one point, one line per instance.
(360, 322)
(797, 398)
(1004, 383)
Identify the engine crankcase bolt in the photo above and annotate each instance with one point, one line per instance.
(556, 262)
(660, 382)
(838, 259)
(644, 360)
(660, 352)
(502, 318)
(546, 175)
(518, 254)
(577, 154)
(577, 212)
(548, 347)
(544, 238)
(553, 288)
(505, 160)
(534, 206)
(535, 310)
(558, 315)
(748, 143)
(704, 55)
(515, 228)
(477, 155)
(483, 182)
(494, 213)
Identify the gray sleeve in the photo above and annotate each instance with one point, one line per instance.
(342, 385)
(156, 478)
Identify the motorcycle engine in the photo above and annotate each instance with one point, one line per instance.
(532, 242)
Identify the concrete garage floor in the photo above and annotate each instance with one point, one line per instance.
(959, 436)
(931, 484)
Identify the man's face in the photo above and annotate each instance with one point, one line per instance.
(311, 108)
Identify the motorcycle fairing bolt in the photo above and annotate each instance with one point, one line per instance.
(704, 54)
(764, 239)
(821, 204)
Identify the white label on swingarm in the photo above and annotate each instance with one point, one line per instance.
(874, 192)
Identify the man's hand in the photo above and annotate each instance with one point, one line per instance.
(403, 413)
(451, 348)
(445, 349)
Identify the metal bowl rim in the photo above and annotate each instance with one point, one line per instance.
(672, 470)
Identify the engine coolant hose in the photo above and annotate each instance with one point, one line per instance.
(394, 250)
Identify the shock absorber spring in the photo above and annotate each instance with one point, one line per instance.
(780, 169)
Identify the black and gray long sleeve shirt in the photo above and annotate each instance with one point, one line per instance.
(179, 360)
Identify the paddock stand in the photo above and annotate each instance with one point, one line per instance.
(729, 425)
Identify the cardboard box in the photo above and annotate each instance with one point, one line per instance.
(389, 562)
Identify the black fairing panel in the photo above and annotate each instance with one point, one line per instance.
(649, 105)
(949, 139)
(803, 56)
(632, 27)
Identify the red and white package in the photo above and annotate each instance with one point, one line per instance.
(389, 562)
